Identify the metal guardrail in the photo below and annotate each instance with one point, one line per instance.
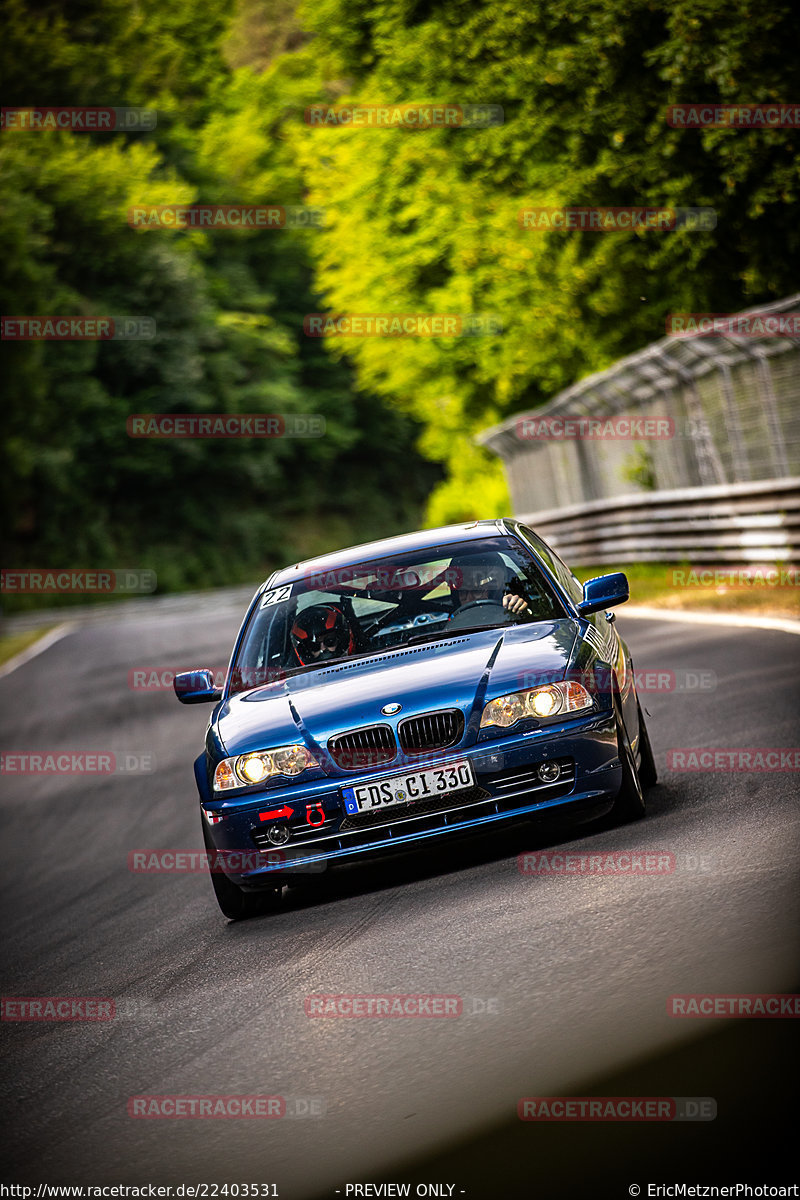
(739, 523)
(721, 486)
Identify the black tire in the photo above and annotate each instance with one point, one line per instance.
(629, 804)
(648, 772)
(235, 903)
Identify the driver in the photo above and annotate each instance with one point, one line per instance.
(320, 633)
(483, 577)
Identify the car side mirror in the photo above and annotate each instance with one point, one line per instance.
(196, 687)
(604, 592)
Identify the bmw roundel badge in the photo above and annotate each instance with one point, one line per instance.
(389, 710)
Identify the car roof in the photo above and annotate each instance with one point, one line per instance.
(419, 540)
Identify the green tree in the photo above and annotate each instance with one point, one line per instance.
(228, 309)
(428, 220)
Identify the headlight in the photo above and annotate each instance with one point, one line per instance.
(539, 702)
(261, 765)
(254, 767)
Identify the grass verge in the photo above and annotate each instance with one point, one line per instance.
(766, 590)
(12, 644)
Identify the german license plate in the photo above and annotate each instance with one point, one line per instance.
(410, 788)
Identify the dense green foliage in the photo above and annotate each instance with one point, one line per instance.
(416, 221)
(228, 307)
(427, 220)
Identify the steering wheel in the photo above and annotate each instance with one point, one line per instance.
(492, 612)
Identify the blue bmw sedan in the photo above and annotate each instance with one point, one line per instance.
(408, 690)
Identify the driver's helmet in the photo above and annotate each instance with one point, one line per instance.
(478, 577)
(321, 632)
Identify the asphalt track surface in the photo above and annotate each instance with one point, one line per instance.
(564, 979)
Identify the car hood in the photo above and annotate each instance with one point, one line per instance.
(460, 672)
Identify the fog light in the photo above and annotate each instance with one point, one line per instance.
(279, 834)
(548, 772)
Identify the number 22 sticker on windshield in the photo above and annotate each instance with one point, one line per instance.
(276, 595)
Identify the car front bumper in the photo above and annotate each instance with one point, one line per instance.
(507, 788)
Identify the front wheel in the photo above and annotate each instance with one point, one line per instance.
(629, 804)
(235, 903)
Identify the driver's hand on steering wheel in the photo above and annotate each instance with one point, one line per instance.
(515, 604)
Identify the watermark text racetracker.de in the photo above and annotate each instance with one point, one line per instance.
(388, 575)
(599, 680)
(399, 1005)
(737, 758)
(226, 425)
(421, 1006)
(77, 762)
(698, 115)
(401, 325)
(56, 328)
(740, 325)
(224, 1107)
(578, 428)
(617, 1108)
(159, 678)
(763, 1005)
(225, 216)
(743, 577)
(57, 1008)
(76, 581)
(93, 119)
(615, 863)
(414, 117)
(631, 218)
(198, 862)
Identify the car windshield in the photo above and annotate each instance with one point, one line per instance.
(368, 607)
